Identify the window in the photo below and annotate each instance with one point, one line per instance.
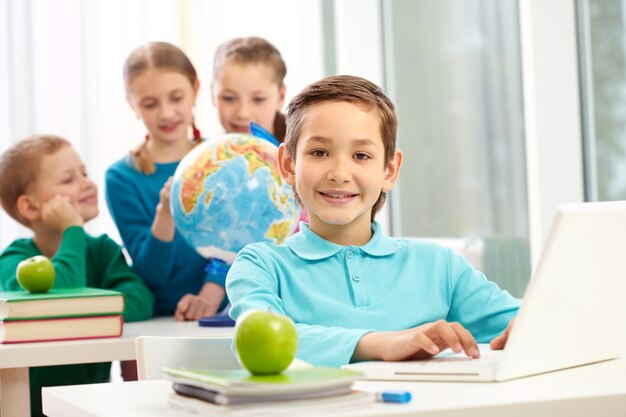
(602, 30)
(454, 71)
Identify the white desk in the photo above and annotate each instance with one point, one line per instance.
(15, 359)
(594, 390)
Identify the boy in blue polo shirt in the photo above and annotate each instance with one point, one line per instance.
(354, 293)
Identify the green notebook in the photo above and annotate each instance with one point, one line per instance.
(351, 403)
(241, 383)
(60, 302)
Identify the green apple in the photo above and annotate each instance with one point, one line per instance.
(266, 342)
(35, 274)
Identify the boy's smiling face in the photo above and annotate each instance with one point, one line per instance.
(63, 173)
(339, 168)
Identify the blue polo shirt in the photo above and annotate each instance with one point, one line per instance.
(335, 294)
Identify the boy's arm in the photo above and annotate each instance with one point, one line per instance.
(477, 303)
(117, 275)
(153, 259)
(251, 285)
(69, 261)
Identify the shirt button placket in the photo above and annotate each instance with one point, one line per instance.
(358, 289)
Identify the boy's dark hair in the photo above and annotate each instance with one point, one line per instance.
(156, 55)
(351, 89)
(20, 166)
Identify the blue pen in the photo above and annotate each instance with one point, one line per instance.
(401, 397)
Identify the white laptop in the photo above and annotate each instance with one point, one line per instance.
(573, 313)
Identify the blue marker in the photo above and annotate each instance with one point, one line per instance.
(401, 397)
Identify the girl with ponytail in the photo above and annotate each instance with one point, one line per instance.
(161, 88)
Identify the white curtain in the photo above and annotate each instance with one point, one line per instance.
(61, 68)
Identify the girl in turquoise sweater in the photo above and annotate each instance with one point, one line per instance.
(161, 86)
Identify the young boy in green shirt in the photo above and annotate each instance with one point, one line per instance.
(45, 187)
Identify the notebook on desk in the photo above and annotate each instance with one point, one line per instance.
(573, 313)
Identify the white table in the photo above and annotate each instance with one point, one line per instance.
(15, 359)
(592, 390)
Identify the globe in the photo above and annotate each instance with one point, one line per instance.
(228, 192)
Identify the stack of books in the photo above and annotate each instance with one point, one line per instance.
(60, 314)
(307, 391)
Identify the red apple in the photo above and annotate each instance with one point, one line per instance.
(266, 342)
(35, 274)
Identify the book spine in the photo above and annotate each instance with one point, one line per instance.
(5, 310)
(38, 306)
(59, 317)
(10, 342)
(62, 338)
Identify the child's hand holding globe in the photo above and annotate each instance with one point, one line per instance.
(266, 342)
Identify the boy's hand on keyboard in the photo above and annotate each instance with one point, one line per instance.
(499, 341)
(417, 343)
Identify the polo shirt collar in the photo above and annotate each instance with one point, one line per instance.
(308, 245)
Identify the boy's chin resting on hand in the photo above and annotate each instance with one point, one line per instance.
(59, 213)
